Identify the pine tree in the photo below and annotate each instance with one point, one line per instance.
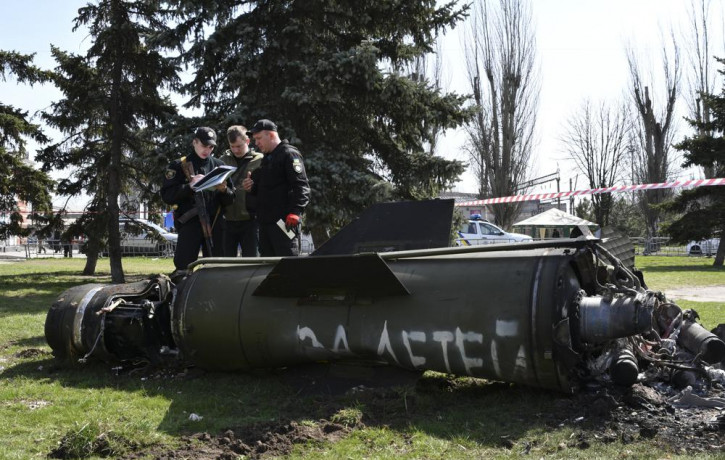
(331, 74)
(111, 107)
(19, 180)
(703, 208)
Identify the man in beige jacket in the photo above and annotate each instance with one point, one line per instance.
(242, 228)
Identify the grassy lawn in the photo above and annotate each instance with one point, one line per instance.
(44, 404)
(665, 272)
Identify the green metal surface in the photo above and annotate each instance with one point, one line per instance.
(484, 314)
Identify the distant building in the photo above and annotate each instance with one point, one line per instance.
(13, 240)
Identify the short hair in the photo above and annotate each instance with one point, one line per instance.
(236, 132)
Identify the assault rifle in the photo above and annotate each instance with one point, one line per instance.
(200, 205)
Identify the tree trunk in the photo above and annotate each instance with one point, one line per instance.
(500, 58)
(91, 257)
(720, 256)
(114, 168)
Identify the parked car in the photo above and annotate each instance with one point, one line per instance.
(140, 237)
(703, 247)
(479, 231)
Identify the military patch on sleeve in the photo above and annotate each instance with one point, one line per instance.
(170, 174)
(297, 165)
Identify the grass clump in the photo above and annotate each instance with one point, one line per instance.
(349, 416)
(88, 440)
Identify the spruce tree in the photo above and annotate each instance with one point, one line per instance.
(331, 74)
(703, 208)
(19, 180)
(112, 104)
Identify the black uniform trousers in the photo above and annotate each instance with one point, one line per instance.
(244, 233)
(273, 242)
(191, 238)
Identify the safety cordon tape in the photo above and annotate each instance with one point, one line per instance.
(595, 191)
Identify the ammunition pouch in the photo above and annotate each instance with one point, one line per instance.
(188, 215)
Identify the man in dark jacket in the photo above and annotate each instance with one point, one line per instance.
(281, 187)
(242, 229)
(177, 191)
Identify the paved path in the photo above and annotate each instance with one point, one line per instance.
(698, 293)
(19, 252)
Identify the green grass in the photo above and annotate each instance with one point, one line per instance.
(666, 272)
(44, 405)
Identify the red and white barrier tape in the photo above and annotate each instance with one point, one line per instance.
(595, 191)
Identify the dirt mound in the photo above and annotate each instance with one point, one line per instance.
(601, 415)
(254, 441)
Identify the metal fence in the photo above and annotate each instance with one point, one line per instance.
(43, 249)
(142, 246)
(138, 247)
(130, 248)
(659, 246)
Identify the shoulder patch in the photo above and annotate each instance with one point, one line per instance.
(297, 165)
(170, 174)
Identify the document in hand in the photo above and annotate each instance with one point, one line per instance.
(215, 177)
(290, 234)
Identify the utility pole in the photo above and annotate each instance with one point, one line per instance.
(558, 190)
(571, 198)
(542, 180)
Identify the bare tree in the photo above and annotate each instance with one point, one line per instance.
(654, 132)
(700, 77)
(503, 74)
(422, 70)
(597, 140)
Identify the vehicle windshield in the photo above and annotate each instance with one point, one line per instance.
(156, 227)
(468, 228)
(489, 229)
(144, 223)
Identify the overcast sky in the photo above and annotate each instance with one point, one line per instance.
(581, 51)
